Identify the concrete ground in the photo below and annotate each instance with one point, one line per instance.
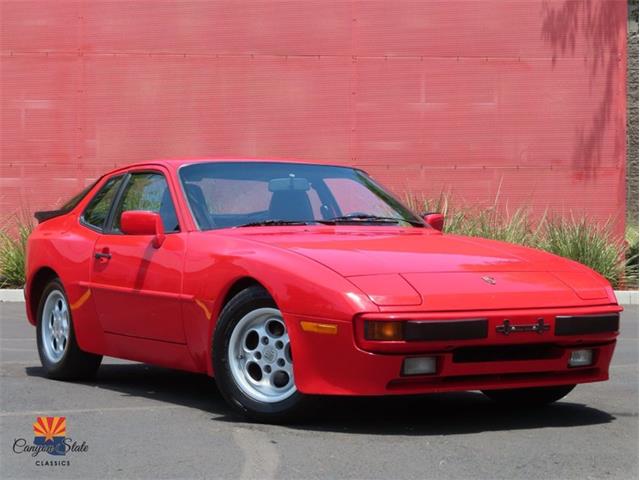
(140, 421)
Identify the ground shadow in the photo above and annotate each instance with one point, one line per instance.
(437, 414)
(444, 414)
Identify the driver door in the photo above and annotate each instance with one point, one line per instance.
(137, 287)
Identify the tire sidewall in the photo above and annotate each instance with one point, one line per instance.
(246, 301)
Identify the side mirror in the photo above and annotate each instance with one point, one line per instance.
(434, 220)
(141, 222)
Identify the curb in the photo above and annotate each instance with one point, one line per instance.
(625, 297)
(11, 295)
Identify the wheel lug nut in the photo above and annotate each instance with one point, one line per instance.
(280, 362)
(267, 368)
(258, 355)
(279, 345)
(265, 340)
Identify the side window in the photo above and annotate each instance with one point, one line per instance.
(97, 211)
(148, 191)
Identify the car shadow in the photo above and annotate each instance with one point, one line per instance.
(445, 414)
(434, 414)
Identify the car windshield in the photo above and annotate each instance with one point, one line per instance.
(238, 194)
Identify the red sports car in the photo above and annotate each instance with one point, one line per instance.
(289, 280)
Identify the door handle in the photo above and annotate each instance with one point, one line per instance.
(102, 256)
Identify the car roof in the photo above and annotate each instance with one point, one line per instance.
(175, 163)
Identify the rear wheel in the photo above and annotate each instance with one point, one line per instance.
(529, 396)
(252, 358)
(57, 347)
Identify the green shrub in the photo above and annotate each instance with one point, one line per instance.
(631, 263)
(490, 222)
(13, 244)
(586, 242)
(496, 225)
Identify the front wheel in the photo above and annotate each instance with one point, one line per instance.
(536, 396)
(59, 352)
(252, 358)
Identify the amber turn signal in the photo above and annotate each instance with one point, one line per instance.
(383, 330)
(326, 328)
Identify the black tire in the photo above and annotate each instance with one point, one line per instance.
(529, 397)
(287, 410)
(74, 364)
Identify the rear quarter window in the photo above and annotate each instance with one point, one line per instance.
(75, 200)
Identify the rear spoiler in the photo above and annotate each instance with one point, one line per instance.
(45, 215)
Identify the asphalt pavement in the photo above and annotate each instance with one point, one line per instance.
(139, 421)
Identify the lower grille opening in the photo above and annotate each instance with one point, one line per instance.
(501, 353)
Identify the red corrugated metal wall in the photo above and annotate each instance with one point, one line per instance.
(472, 97)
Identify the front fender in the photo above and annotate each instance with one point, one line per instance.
(298, 285)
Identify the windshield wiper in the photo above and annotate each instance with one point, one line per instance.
(364, 218)
(358, 218)
(266, 223)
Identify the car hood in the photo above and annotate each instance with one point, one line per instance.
(402, 266)
(385, 250)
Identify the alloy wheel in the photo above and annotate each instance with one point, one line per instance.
(260, 356)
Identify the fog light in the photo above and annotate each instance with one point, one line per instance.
(581, 358)
(419, 366)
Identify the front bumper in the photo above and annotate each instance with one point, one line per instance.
(343, 363)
